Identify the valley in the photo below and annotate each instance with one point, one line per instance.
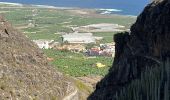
(51, 24)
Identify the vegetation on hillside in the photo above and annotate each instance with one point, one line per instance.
(154, 84)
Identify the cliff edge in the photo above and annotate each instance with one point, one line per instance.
(141, 68)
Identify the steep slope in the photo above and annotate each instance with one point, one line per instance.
(24, 70)
(141, 69)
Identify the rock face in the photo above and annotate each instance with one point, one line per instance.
(140, 56)
(24, 71)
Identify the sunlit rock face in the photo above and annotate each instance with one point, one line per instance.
(139, 52)
(24, 70)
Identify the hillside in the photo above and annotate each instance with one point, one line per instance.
(24, 70)
(141, 68)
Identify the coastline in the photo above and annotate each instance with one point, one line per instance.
(101, 11)
(10, 3)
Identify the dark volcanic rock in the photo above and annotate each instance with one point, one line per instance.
(147, 44)
(24, 70)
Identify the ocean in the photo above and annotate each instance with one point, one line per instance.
(125, 7)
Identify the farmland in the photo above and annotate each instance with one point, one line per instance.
(48, 23)
(77, 64)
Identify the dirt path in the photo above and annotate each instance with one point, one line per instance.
(72, 96)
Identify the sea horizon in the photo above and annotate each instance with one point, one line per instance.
(123, 9)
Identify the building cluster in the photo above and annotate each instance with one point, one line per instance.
(76, 42)
(45, 44)
(107, 49)
(72, 47)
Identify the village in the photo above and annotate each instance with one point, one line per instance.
(81, 40)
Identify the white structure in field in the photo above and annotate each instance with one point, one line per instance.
(79, 38)
(43, 44)
(102, 27)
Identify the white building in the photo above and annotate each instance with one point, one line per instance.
(79, 38)
(43, 44)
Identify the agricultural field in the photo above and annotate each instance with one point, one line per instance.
(48, 23)
(76, 64)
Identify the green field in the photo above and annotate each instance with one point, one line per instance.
(48, 22)
(76, 64)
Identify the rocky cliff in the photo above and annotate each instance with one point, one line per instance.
(24, 70)
(141, 68)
